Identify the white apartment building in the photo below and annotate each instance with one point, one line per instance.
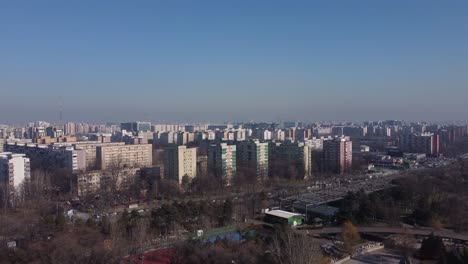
(279, 135)
(252, 156)
(180, 161)
(90, 149)
(124, 156)
(14, 170)
(222, 161)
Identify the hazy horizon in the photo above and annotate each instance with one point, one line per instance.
(242, 60)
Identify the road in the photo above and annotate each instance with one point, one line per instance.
(394, 230)
(383, 256)
(337, 190)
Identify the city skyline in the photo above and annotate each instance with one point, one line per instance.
(232, 122)
(212, 60)
(208, 131)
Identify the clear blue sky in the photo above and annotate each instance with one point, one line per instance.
(233, 60)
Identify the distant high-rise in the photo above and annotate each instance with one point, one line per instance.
(264, 134)
(70, 128)
(36, 132)
(222, 161)
(54, 132)
(427, 143)
(354, 131)
(252, 158)
(337, 155)
(126, 126)
(166, 138)
(136, 126)
(142, 126)
(185, 137)
(189, 128)
(279, 135)
(180, 161)
(289, 124)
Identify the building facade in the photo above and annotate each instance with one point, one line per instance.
(222, 161)
(2, 144)
(51, 156)
(427, 143)
(90, 149)
(14, 170)
(136, 126)
(297, 155)
(92, 182)
(180, 161)
(252, 157)
(124, 156)
(337, 155)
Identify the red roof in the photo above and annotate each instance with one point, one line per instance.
(155, 256)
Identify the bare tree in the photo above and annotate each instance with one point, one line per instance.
(292, 248)
(350, 236)
(117, 238)
(114, 170)
(407, 243)
(140, 233)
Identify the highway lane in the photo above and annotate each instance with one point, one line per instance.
(337, 190)
(393, 230)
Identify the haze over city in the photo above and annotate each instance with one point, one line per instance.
(233, 132)
(238, 60)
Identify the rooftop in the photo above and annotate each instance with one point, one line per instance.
(282, 214)
(324, 210)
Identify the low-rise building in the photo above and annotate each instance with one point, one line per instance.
(92, 182)
(327, 214)
(283, 218)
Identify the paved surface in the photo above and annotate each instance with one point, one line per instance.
(384, 256)
(395, 230)
(335, 191)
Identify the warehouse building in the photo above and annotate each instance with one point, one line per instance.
(283, 217)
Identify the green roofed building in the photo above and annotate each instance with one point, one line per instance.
(283, 217)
